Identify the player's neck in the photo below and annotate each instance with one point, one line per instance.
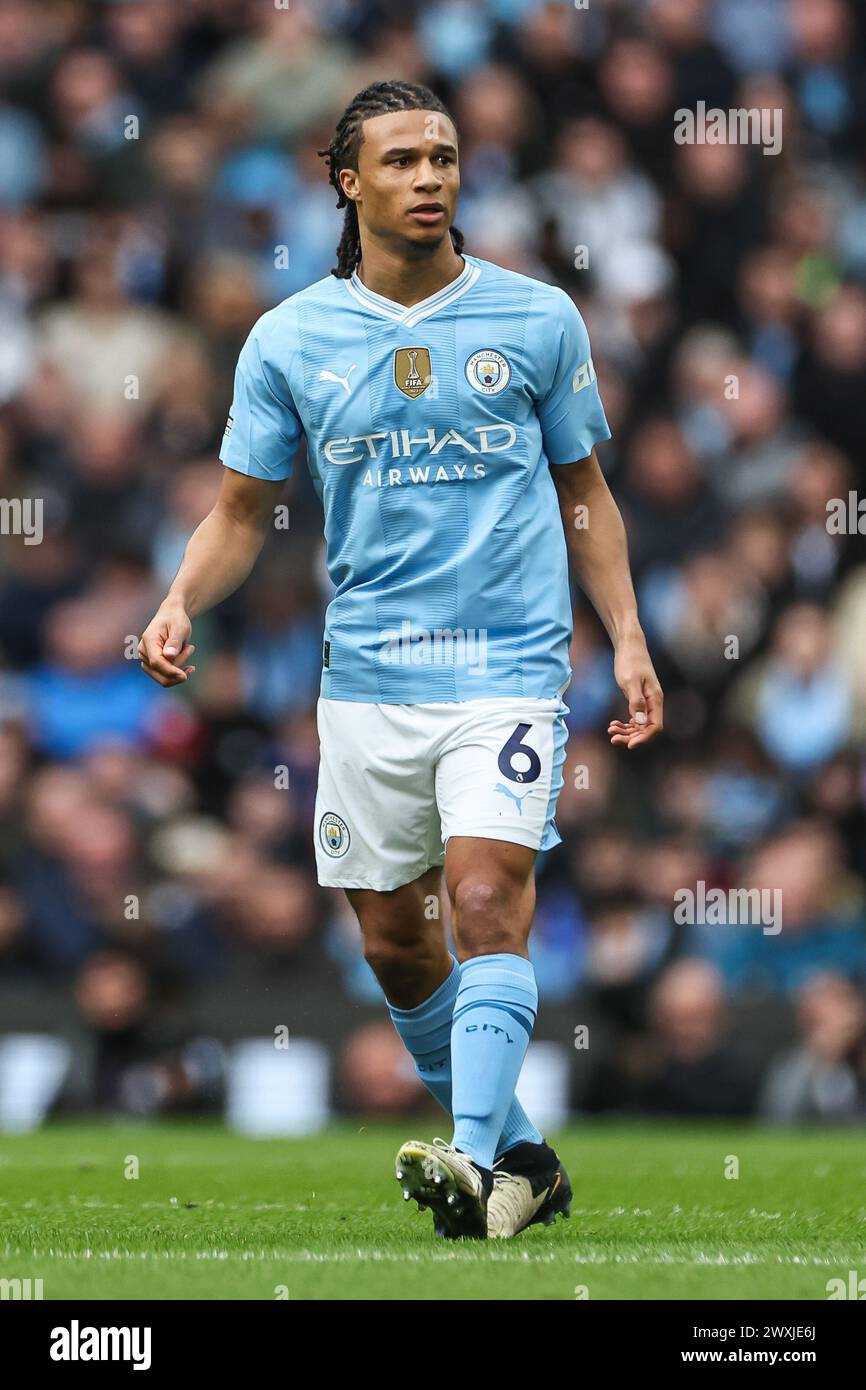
(408, 281)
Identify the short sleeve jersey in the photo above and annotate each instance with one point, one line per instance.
(430, 433)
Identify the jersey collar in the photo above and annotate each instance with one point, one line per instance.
(390, 309)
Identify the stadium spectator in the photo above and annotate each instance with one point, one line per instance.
(824, 1077)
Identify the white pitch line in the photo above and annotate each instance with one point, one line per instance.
(492, 1256)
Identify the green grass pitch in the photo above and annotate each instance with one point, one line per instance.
(212, 1215)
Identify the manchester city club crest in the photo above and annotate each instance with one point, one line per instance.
(333, 834)
(488, 372)
(413, 370)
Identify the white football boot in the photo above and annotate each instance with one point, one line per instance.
(447, 1181)
(529, 1185)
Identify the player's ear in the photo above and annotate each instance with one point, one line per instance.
(349, 182)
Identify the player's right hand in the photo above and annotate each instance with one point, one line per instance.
(165, 646)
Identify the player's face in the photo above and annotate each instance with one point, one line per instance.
(408, 178)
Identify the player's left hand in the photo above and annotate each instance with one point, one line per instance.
(640, 685)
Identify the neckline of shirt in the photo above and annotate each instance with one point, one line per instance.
(414, 313)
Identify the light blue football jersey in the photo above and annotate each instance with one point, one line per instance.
(429, 433)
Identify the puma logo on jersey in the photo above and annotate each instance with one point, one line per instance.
(518, 800)
(339, 380)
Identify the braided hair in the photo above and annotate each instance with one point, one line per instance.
(343, 151)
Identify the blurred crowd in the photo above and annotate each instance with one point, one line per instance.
(160, 188)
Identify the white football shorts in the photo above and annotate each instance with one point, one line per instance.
(396, 781)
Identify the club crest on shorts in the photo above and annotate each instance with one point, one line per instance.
(413, 370)
(333, 834)
(488, 372)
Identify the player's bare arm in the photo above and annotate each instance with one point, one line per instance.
(599, 554)
(219, 556)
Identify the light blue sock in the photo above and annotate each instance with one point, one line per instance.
(426, 1033)
(494, 1015)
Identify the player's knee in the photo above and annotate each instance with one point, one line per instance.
(486, 917)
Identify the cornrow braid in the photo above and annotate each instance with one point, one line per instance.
(342, 153)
